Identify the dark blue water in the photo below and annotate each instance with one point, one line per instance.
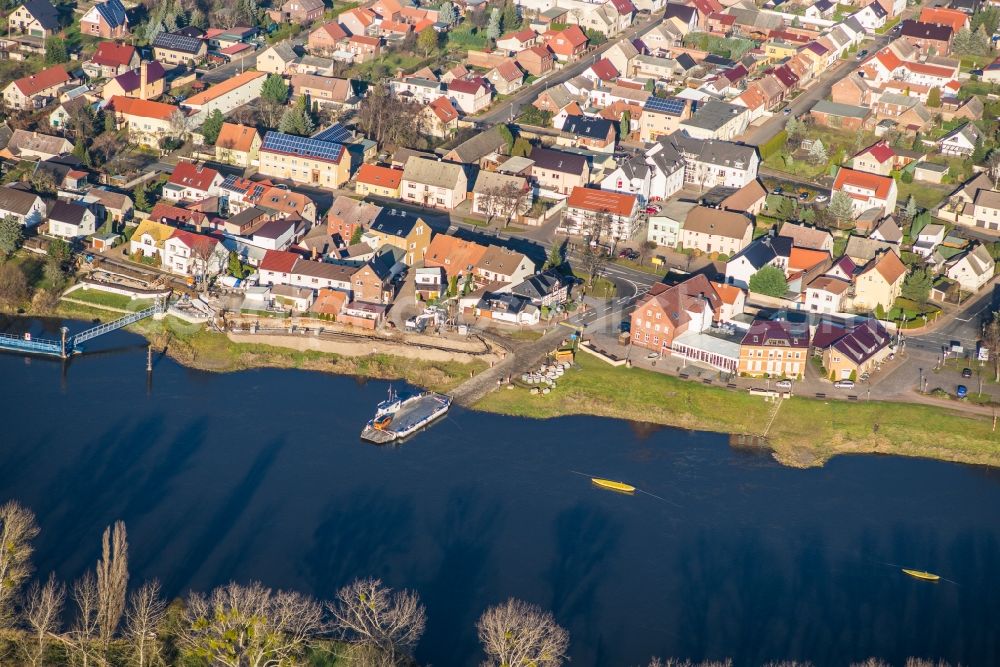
(260, 475)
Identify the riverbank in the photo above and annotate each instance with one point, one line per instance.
(804, 432)
(197, 347)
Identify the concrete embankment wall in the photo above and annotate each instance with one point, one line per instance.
(364, 347)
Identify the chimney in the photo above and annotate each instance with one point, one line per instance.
(143, 79)
(314, 254)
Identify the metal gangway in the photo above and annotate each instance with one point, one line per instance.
(70, 345)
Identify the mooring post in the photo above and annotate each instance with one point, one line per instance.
(62, 350)
(149, 358)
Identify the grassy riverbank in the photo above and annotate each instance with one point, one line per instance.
(805, 432)
(197, 347)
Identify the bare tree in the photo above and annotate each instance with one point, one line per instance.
(249, 626)
(384, 626)
(674, 662)
(112, 581)
(203, 252)
(871, 662)
(87, 597)
(991, 338)
(43, 612)
(17, 529)
(518, 634)
(512, 197)
(142, 623)
(387, 119)
(993, 167)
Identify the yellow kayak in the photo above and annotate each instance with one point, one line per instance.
(614, 486)
(920, 574)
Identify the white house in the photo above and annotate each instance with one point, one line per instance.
(867, 191)
(632, 177)
(26, 207)
(190, 254)
(190, 182)
(825, 294)
(872, 17)
(972, 269)
(929, 238)
(71, 221)
(961, 141)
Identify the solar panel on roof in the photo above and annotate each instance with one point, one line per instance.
(175, 42)
(303, 146)
(336, 133)
(671, 105)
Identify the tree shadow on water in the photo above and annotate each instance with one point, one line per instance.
(585, 537)
(359, 535)
(465, 538)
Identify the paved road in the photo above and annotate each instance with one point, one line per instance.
(511, 108)
(227, 71)
(819, 90)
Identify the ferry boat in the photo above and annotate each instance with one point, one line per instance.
(402, 415)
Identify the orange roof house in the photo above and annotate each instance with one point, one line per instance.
(237, 137)
(566, 44)
(130, 106)
(20, 93)
(953, 18)
(803, 259)
(453, 254)
(602, 201)
(381, 181)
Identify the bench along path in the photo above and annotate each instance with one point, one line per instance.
(523, 356)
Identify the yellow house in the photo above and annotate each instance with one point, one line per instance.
(238, 145)
(403, 230)
(304, 160)
(880, 282)
(778, 49)
(146, 82)
(378, 181)
(37, 18)
(149, 238)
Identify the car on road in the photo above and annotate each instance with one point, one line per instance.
(804, 196)
(787, 110)
(653, 355)
(844, 384)
(821, 198)
(862, 53)
(966, 372)
(961, 391)
(629, 253)
(652, 209)
(777, 190)
(783, 384)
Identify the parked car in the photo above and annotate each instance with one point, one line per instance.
(821, 198)
(961, 391)
(777, 190)
(629, 253)
(787, 110)
(804, 196)
(652, 209)
(862, 53)
(966, 372)
(783, 384)
(844, 384)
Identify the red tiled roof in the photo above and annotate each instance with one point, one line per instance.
(881, 151)
(467, 86)
(112, 54)
(131, 106)
(953, 18)
(371, 174)
(566, 41)
(365, 39)
(279, 261)
(604, 201)
(187, 175)
(164, 213)
(623, 7)
(236, 137)
(879, 184)
(192, 240)
(443, 108)
(509, 71)
(47, 78)
(522, 36)
(604, 70)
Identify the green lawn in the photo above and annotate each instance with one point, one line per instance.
(805, 431)
(100, 298)
(928, 195)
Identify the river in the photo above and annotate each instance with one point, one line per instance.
(261, 475)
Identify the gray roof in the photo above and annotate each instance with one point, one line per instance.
(69, 213)
(865, 249)
(285, 51)
(714, 115)
(44, 12)
(432, 172)
(491, 180)
(479, 146)
(394, 222)
(22, 140)
(715, 151)
(16, 201)
(843, 110)
(568, 163)
(540, 285)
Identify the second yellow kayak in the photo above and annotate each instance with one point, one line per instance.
(920, 574)
(614, 486)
